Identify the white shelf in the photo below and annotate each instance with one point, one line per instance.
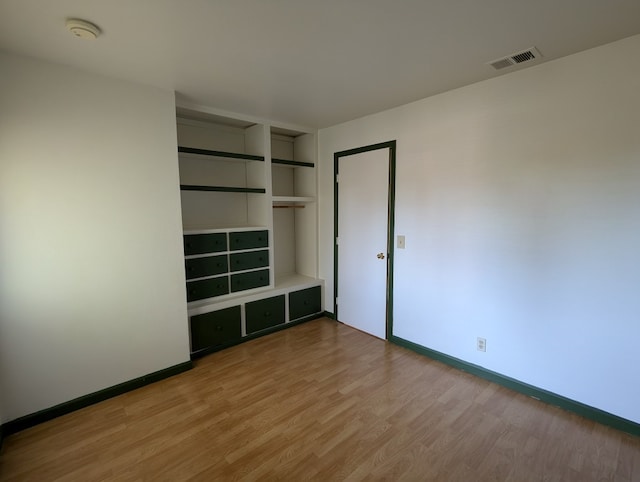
(295, 280)
(226, 229)
(293, 199)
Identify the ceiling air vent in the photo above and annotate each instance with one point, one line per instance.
(516, 58)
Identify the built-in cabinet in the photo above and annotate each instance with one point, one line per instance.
(249, 211)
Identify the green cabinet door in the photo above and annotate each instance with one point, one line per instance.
(248, 240)
(204, 243)
(216, 328)
(250, 260)
(247, 281)
(207, 288)
(262, 314)
(305, 302)
(208, 266)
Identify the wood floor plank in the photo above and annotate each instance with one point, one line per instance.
(320, 401)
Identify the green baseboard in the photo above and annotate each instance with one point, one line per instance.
(586, 411)
(328, 314)
(47, 414)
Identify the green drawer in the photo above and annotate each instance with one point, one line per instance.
(204, 243)
(207, 288)
(209, 266)
(305, 302)
(246, 281)
(251, 260)
(265, 313)
(215, 328)
(248, 240)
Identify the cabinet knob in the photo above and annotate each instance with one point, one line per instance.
(380, 256)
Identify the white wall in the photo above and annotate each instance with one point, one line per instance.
(91, 279)
(520, 201)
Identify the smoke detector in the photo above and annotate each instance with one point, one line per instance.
(83, 29)
(516, 58)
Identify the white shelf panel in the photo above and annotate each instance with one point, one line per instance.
(208, 230)
(293, 199)
(289, 281)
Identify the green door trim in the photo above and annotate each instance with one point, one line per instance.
(391, 145)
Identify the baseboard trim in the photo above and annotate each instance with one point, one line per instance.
(253, 336)
(47, 414)
(579, 408)
(328, 314)
(1, 437)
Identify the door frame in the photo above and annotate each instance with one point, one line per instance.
(391, 203)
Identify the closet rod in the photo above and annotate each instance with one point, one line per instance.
(281, 206)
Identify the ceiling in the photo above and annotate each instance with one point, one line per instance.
(311, 63)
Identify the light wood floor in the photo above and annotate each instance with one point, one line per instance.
(325, 402)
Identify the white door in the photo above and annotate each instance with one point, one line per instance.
(363, 205)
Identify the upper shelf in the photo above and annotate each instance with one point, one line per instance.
(293, 199)
(292, 163)
(228, 155)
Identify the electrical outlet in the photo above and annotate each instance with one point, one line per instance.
(400, 241)
(482, 344)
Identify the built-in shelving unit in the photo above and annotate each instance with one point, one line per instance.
(293, 176)
(246, 182)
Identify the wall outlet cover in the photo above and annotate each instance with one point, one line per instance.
(401, 242)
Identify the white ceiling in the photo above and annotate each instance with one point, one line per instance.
(313, 63)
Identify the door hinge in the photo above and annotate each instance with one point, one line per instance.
(336, 300)
(337, 240)
(337, 178)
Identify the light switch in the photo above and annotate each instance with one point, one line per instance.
(400, 241)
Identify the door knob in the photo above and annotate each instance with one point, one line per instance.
(380, 256)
